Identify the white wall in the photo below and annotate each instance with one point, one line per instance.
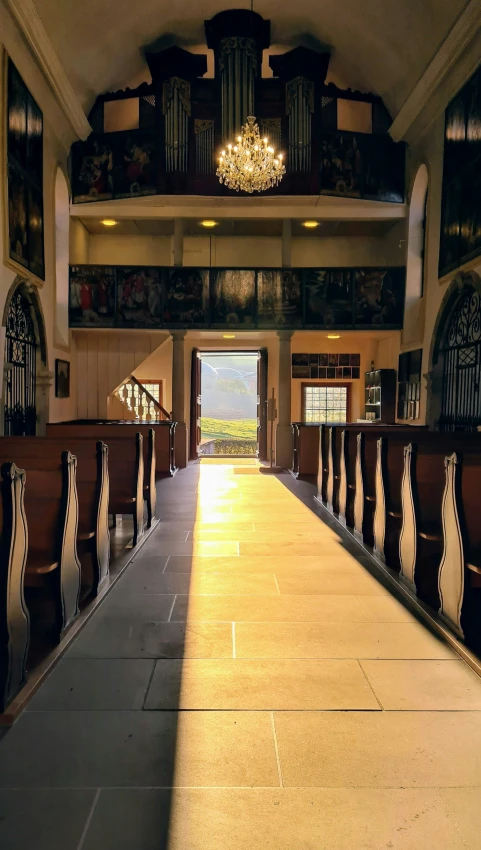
(365, 344)
(104, 360)
(158, 367)
(234, 252)
(58, 136)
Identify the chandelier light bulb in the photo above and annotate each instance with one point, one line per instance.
(252, 165)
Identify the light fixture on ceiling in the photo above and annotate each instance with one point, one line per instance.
(334, 336)
(109, 222)
(228, 336)
(310, 224)
(251, 164)
(209, 223)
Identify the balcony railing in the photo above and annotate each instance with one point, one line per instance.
(140, 297)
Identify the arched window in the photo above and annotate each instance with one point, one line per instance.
(62, 220)
(460, 351)
(415, 256)
(416, 237)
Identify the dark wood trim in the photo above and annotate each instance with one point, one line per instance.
(67, 576)
(139, 495)
(150, 488)
(102, 535)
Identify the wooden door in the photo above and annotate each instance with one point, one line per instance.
(195, 403)
(262, 404)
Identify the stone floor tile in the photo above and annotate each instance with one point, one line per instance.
(141, 579)
(114, 637)
(424, 685)
(463, 806)
(339, 640)
(267, 819)
(265, 563)
(362, 583)
(75, 749)
(386, 609)
(203, 583)
(94, 685)
(43, 819)
(286, 547)
(384, 749)
(280, 609)
(135, 606)
(260, 685)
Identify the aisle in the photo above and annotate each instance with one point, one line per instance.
(247, 685)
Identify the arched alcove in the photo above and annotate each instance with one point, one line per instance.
(413, 329)
(27, 380)
(454, 379)
(62, 222)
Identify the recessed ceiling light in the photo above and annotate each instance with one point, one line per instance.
(208, 223)
(228, 336)
(310, 224)
(109, 222)
(334, 336)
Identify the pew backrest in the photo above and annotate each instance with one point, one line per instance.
(14, 616)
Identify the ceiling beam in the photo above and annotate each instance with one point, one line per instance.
(35, 34)
(427, 100)
(322, 208)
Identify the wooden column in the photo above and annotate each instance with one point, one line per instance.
(178, 398)
(284, 430)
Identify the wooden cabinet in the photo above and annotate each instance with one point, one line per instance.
(380, 396)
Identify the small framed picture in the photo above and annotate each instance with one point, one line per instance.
(62, 379)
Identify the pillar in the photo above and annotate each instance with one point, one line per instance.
(286, 243)
(178, 243)
(284, 430)
(178, 397)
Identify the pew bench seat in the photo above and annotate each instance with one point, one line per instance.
(39, 564)
(432, 532)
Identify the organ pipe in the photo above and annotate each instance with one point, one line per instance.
(238, 66)
(299, 109)
(176, 109)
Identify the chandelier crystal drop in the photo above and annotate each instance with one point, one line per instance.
(251, 164)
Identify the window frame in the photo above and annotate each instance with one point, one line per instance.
(158, 382)
(332, 385)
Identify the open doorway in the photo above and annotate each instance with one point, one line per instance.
(228, 403)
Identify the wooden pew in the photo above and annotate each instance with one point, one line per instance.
(93, 538)
(305, 461)
(351, 477)
(103, 428)
(51, 508)
(322, 466)
(14, 615)
(460, 568)
(430, 484)
(110, 433)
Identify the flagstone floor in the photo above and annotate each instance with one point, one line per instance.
(248, 684)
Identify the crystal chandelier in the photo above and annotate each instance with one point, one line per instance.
(250, 165)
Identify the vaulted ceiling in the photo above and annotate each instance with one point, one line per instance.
(383, 46)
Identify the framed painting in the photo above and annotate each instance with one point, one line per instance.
(186, 297)
(24, 169)
(341, 165)
(279, 298)
(328, 298)
(379, 296)
(92, 296)
(135, 165)
(92, 170)
(139, 297)
(233, 298)
(62, 379)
